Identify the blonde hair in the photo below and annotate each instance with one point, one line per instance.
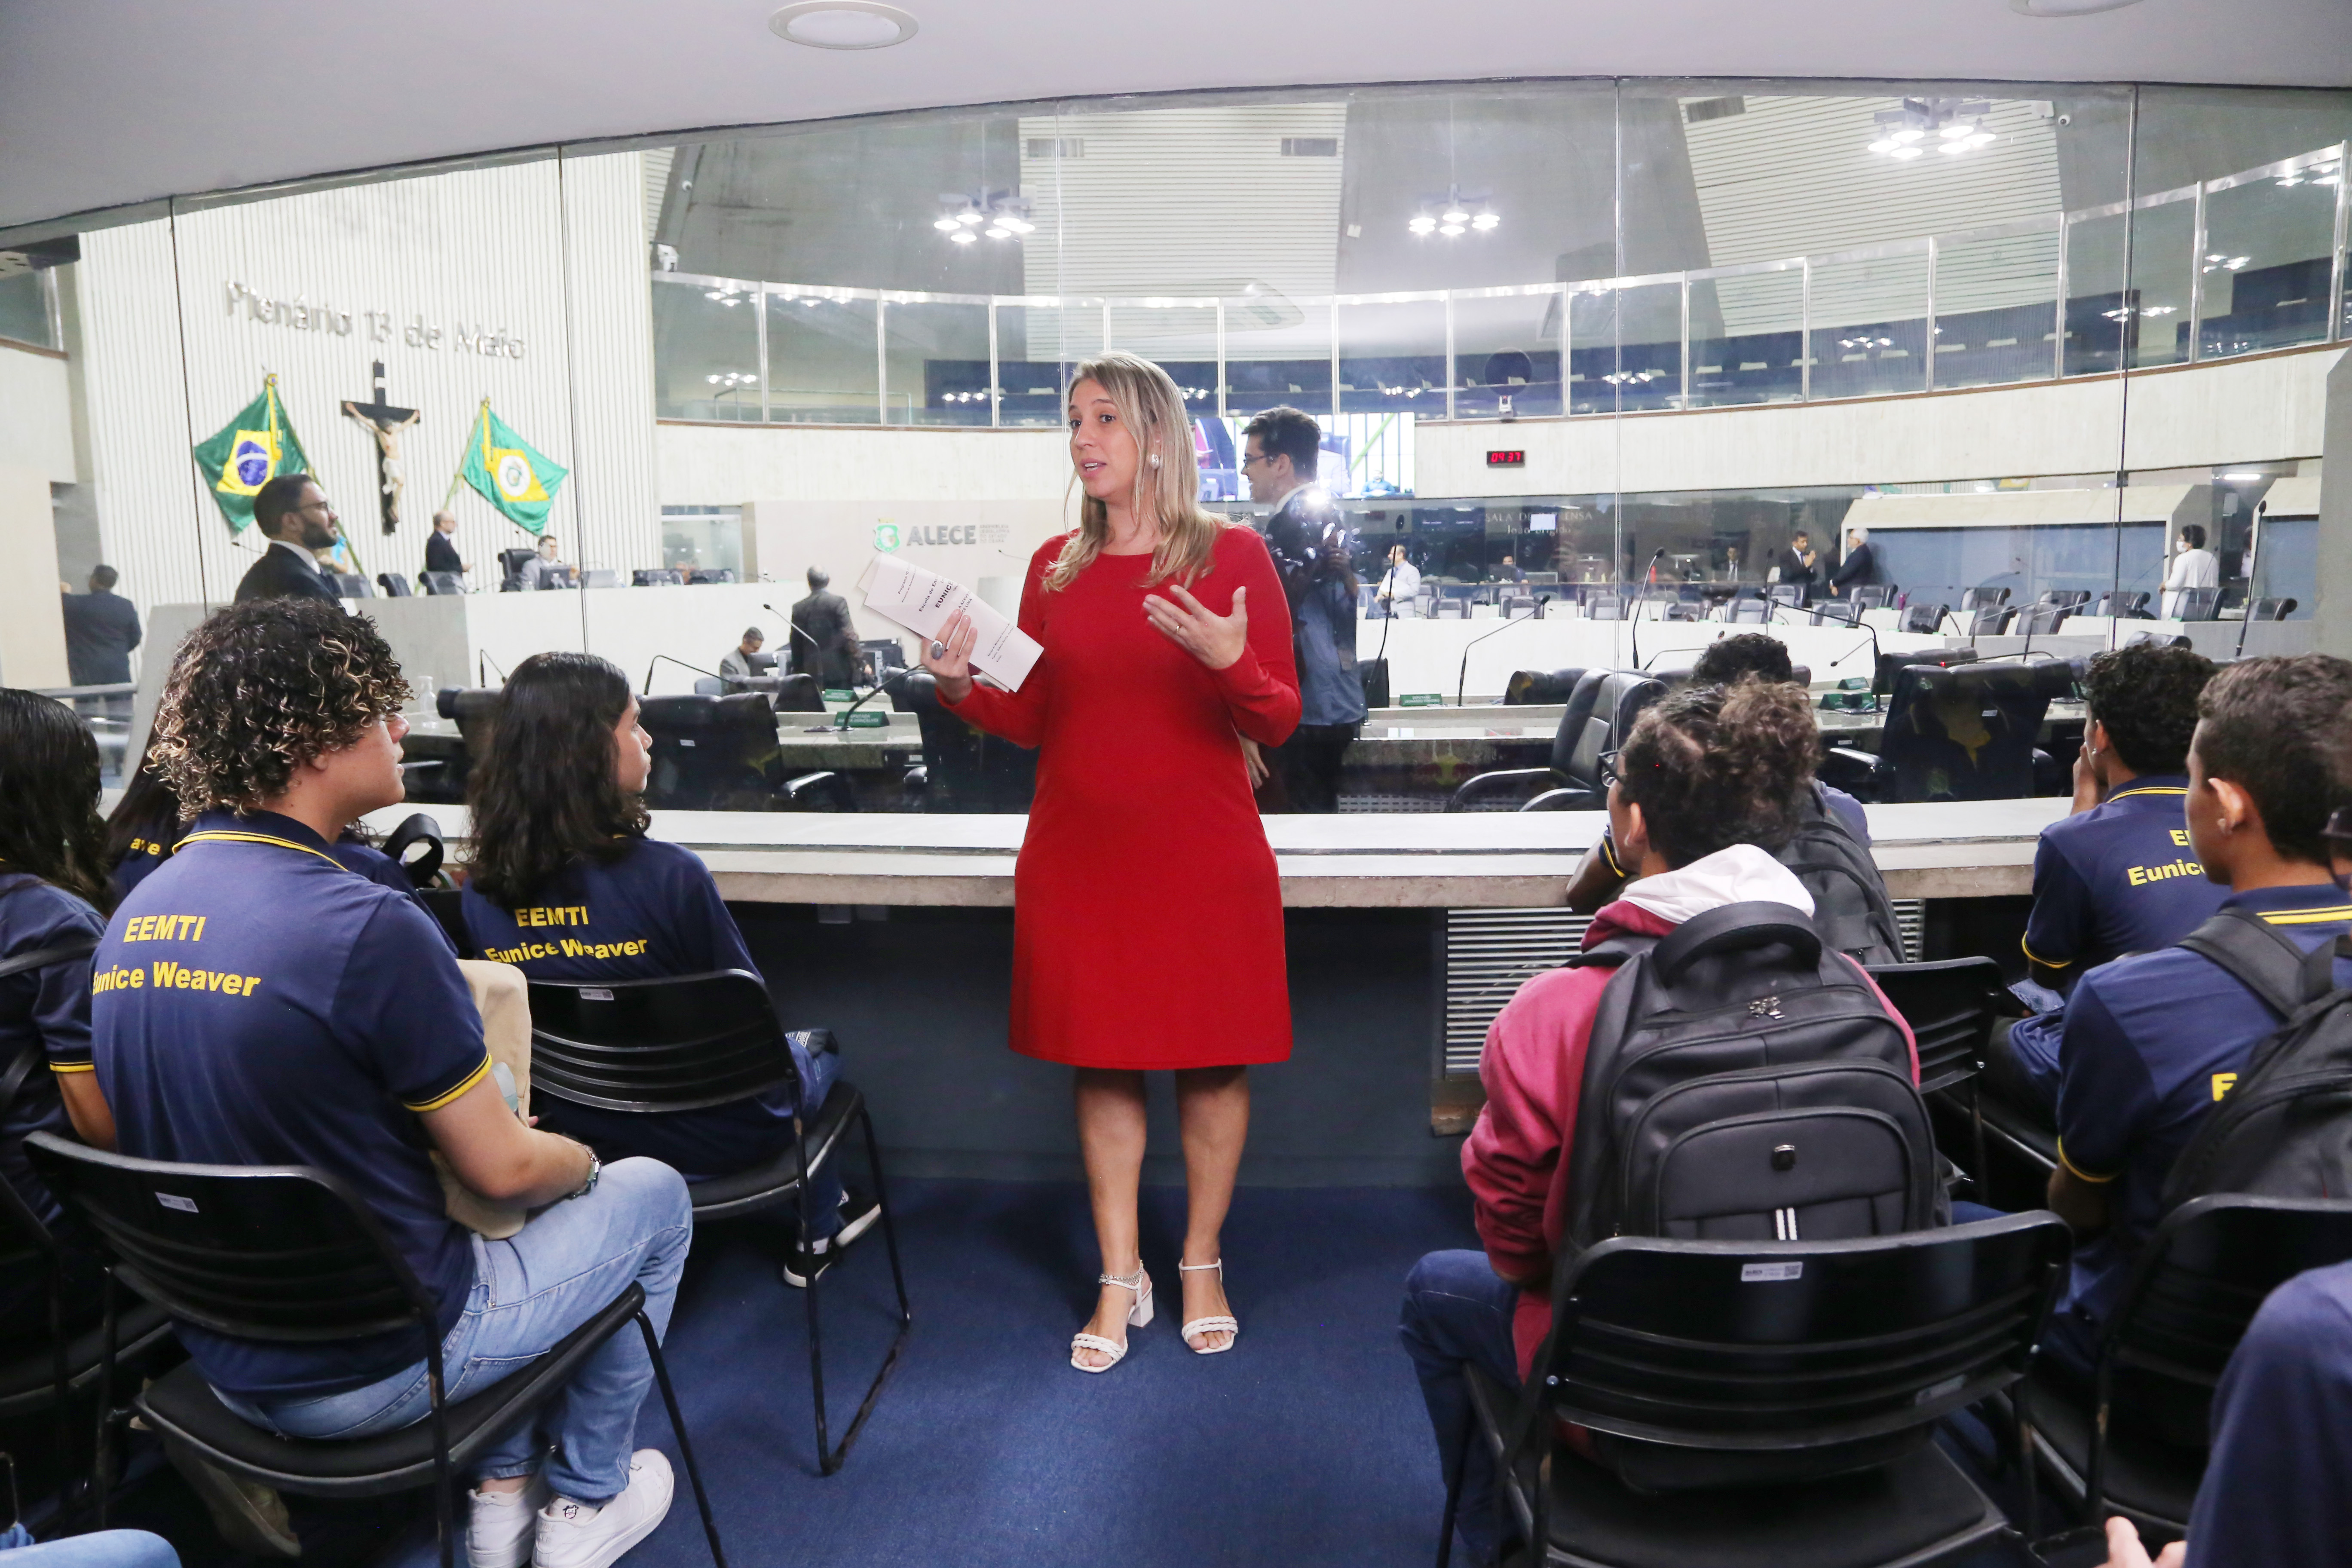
(1152, 408)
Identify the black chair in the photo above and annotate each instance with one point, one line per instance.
(1964, 732)
(1925, 620)
(1450, 609)
(1788, 595)
(1983, 598)
(2136, 1444)
(2262, 610)
(1596, 719)
(658, 577)
(2156, 639)
(286, 1254)
(963, 769)
(394, 584)
(352, 585)
(1603, 607)
(1577, 707)
(1990, 620)
(1784, 1393)
(1837, 612)
(2122, 604)
(658, 1046)
(1750, 612)
(2193, 603)
(1676, 610)
(1872, 595)
(712, 753)
(1527, 687)
(1951, 1004)
(512, 564)
(2042, 620)
(2073, 598)
(711, 574)
(442, 582)
(417, 830)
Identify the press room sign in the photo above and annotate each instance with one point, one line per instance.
(299, 314)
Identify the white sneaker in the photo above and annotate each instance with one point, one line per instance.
(575, 1535)
(502, 1525)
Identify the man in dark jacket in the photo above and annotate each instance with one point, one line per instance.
(102, 629)
(294, 514)
(1859, 567)
(441, 545)
(1796, 563)
(824, 640)
(1307, 540)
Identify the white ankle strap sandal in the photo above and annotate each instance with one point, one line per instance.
(1138, 1316)
(1209, 1325)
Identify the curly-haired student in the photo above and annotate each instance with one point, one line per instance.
(564, 885)
(257, 1002)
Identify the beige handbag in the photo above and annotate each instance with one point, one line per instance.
(504, 1000)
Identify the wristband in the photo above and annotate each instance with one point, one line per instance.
(595, 1169)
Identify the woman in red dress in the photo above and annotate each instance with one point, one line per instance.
(1147, 911)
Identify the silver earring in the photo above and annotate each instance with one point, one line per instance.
(1155, 459)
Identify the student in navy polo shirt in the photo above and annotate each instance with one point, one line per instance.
(2117, 876)
(52, 885)
(565, 886)
(255, 1002)
(2152, 1041)
(145, 827)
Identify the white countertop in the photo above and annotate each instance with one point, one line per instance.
(1403, 860)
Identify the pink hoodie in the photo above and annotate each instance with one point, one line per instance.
(1516, 1158)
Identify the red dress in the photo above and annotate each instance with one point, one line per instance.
(1147, 911)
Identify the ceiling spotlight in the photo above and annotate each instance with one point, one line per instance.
(1451, 229)
(1908, 153)
(843, 24)
(1454, 214)
(946, 226)
(996, 231)
(964, 236)
(968, 218)
(1000, 214)
(1956, 123)
(1450, 214)
(1422, 223)
(1484, 221)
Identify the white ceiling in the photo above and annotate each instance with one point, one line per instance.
(104, 102)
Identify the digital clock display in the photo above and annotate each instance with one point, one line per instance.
(1512, 459)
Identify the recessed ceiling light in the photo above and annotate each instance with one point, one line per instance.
(843, 24)
(2066, 7)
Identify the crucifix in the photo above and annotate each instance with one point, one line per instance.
(385, 422)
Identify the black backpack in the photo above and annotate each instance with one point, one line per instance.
(1851, 909)
(2284, 1129)
(1744, 1083)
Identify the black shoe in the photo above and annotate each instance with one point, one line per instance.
(808, 1259)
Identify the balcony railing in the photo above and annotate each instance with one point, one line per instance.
(2249, 262)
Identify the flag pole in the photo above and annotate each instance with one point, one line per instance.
(459, 477)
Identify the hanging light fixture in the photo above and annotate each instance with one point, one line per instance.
(1952, 126)
(1454, 213)
(966, 215)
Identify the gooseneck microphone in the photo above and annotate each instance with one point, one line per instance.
(664, 658)
(1462, 683)
(1641, 596)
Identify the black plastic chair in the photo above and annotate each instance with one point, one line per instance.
(2193, 603)
(1527, 687)
(1990, 620)
(1750, 612)
(286, 1254)
(2122, 604)
(352, 585)
(2137, 1445)
(2263, 610)
(1784, 1393)
(658, 1046)
(2042, 620)
(1951, 1004)
(1603, 607)
(1873, 595)
(512, 564)
(1925, 620)
(442, 582)
(394, 584)
(1617, 701)
(1576, 708)
(2073, 598)
(1983, 598)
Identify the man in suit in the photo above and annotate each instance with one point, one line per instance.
(1307, 540)
(824, 640)
(1797, 563)
(102, 629)
(441, 545)
(1859, 567)
(544, 570)
(300, 522)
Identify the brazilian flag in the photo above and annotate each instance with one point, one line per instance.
(249, 451)
(509, 474)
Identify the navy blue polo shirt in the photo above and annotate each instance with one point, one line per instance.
(145, 854)
(45, 1009)
(651, 913)
(2151, 1042)
(2278, 1485)
(255, 1002)
(2119, 878)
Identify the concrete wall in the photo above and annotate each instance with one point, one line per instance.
(32, 626)
(36, 412)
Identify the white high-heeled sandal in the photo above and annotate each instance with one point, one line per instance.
(1209, 1325)
(1138, 1316)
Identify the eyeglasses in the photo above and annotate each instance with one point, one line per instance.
(1607, 768)
(1261, 458)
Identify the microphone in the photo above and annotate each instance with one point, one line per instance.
(661, 657)
(841, 720)
(1461, 685)
(485, 658)
(1650, 578)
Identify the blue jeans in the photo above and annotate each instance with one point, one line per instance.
(105, 1549)
(1457, 1312)
(530, 1292)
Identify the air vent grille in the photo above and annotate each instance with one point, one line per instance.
(1704, 109)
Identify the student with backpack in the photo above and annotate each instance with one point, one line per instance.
(1657, 1059)
(2163, 1051)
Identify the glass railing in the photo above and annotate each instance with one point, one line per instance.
(2242, 264)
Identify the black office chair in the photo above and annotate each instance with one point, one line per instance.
(512, 565)
(1873, 595)
(963, 769)
(1517, 607)
(394, 584)
(442, 582)
(352, 585)
(2136, 1445)
(2262, 610)
(1788, 595)
(1784, 1393)
(286, 1254)
(416, 845)
(1837, 612)
(2193, 603)
(1451, 609)
(1966, 732)
(658, 577)
(2073, 598)
(712, 753)
(2158, 639)
(2122, 604)
(1596, 718)
(1527, 687)
(1511, 788)
(1925, 620)
(2042, 620)
(1676, 610)
(1983, 598)
(711, 574)
(658, 1046)
(1750, 612)
(1603, 607)
(1990, 620)
(1951, 1004)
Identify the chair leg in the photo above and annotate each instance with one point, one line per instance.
(829, 1463)
(882, 1197)
(685, 1447)
(101, 1449)
(1454, 1488)
(1983, 1174)
(444, 1525)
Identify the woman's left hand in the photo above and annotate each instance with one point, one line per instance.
(1215, 640)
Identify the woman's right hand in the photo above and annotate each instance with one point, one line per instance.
(953, 669)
